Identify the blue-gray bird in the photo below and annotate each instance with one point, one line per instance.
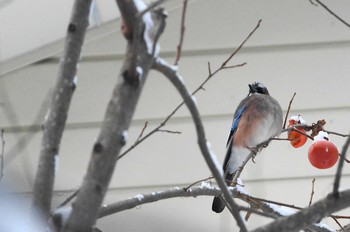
(257, 119)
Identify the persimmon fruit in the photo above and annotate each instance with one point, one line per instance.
(297, 139)
(323, 154)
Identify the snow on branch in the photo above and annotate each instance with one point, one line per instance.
(305, 217)
(167, 70)
(118, 116)
(203, 190)
(57, 114)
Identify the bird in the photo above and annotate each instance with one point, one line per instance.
(257, 119)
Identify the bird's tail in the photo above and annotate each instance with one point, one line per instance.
(218, 205)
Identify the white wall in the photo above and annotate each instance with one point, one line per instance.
(298, 48)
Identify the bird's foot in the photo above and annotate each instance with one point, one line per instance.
(254, 151)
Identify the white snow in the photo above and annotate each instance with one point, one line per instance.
(194, 99)
(139, 71)
(47, 116)
(321, 136)
(298, 119)
(324, 226)
(173, 68)
(147, 19)
(75, 80)
(240, 187)
(205, 184)
(125, 135)
(56, 163)
(282, 210)
(180, 79)
(65, 212)
(139, 197)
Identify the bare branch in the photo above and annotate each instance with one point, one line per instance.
(312, 191)
(290, 104)
(340, 167)
(170, 131)
(332, 13)
(198, 181)
(208, 155)
(69, 198)
(182, 33)
(205, 189)
(200, 87)
(305, 217)
(142, 131)
(118, 116)
(57, 115)
(241, 45)
(141, 199)
(336, 133)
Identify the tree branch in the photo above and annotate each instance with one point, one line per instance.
(140, 199)
(332, 13)
(340, 167)
(182, 33)
(209, 156)
(120, 110)
(305, 217)
(204, 189)
(57, 115)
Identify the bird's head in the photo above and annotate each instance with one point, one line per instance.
(257, 87)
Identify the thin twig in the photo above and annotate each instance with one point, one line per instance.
(182, 33)
(69, 198)
(257, 212)
(335, 133)
(336, 221)
(240, 168)
(170, 131)
(312, 191)
(276, 203)
(142, 131)
(340, 167)
(332, 13)
(234, 66)
(290, 104)
(295, 128)
(344, 158)
(200, 87)
(241, 45)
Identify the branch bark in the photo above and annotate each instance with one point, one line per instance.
(204, 189)
(57, 115)
(340, 167)
(140, 199)
(305, 217)
(209, 156)
(113, 134)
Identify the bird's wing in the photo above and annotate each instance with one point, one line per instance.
(235, 122)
